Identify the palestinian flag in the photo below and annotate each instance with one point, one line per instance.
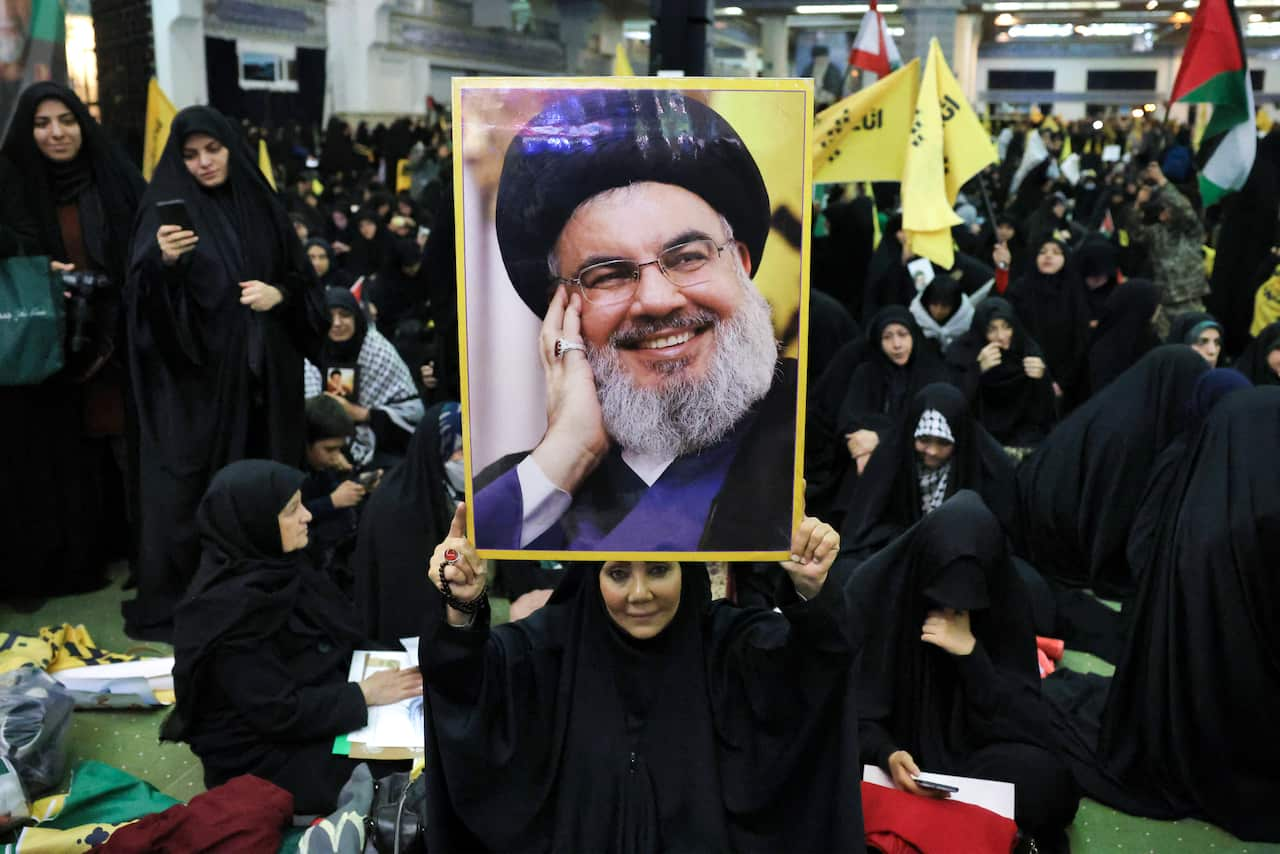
(873, 49)
(1214, 71)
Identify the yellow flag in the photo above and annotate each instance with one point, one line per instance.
(967, 147)
(864, 136)
(264, 163)
(927, 215)
(404, 178)
(160, 113)
(622, 65)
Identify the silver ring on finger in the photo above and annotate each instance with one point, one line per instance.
(564, 345)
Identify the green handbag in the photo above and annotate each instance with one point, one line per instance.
(32, 321)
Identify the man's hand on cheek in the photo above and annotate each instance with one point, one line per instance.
(575, 440)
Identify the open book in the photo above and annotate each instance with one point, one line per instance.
(394, 731)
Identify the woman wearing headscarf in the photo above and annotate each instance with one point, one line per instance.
(948, 681)
(897, 365)
(1079, 492)
(632, 714)
(1201, 332)
(937, 449)
(1003, 374)
(324, 262)
(371, 245)
(263, 643)
(1260, 361)
(1125, 332)
(80, 194)
(1211, 388)
(219, 319)
(376, 387)
(944, 311)
(402, 522)
(1189, 717)
(1050, 300)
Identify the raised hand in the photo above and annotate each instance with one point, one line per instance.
(948, 629)
(814, 546)
(468, 575)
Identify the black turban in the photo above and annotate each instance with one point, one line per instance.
(591, 141)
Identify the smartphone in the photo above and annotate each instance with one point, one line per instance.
(935, 786)
(423, 232)
(368, 478)
(174, 212)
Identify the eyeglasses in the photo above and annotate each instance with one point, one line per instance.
(683, 265)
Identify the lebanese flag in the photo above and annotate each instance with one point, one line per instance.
(1214, 71)
(873, 49)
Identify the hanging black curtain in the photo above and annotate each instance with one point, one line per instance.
(311, 82)
(222, 70)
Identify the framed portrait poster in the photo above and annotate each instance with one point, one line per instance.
(633, 268)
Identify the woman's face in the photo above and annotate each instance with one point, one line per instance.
(56, 131)
(1000, 333)
(896, 343)
(368, 229)
(207, 160)
(934, 452)
(319, 259)
(342, 325)
(641, 598)
(1049, 259)
(1209, 345)
(293, 524)
(940, 311)
(1273, 361)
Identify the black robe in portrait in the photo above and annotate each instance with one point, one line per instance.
(732, 730)
(1253, 361)
(1188, 722)
(1079, 492)
(217, 381)
(977, 715)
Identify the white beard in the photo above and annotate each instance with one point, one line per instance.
(683, 415)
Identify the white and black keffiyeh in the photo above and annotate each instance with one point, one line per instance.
(933, 423)
(385, 383)
(933, 486)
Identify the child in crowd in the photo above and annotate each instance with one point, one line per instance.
(330, 492)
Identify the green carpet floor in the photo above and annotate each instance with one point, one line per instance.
(129, 740)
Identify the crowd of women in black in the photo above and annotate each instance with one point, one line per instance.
(1005, 435)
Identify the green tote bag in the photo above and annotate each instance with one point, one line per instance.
(32, 321)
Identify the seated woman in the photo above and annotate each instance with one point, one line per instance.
(937, 450)
(944, 312)
(632, 714)
(263, 643)
(1201, 332)
(948, 681)
(361, 369)
(1003, 373)
(324, 262)
(1188, 717)
(896, 366)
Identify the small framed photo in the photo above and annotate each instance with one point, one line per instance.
(633, 254)
(341, 381)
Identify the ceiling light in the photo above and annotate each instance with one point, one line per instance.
(1004, 19)
(1263, 29)
(897, 32)
(1256, 17)
(1079, 28)
(1053, 6)
(729, 11)
(1097, 125)
(636, 36)
(844, 9)
(1152, 4)
(1002, 37)
(1149, 108)
(1110, 29)
(1180, 18)
(1040, 31)
(1137, 113)
(1191, 4)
